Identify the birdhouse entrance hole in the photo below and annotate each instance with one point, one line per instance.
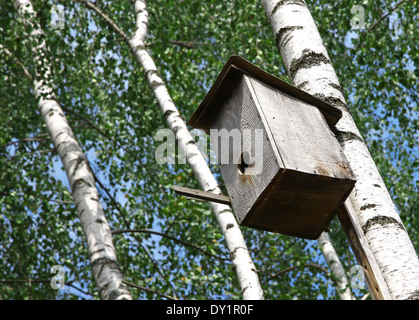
(273, 174)
(244, 163)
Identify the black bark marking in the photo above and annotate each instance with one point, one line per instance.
(337, 87)
(191, 142)
(79, 183)
(368, 206)
(80, 160)
(139, 47)
(344, 136)
(281, 32)
(155, 84)
(383, 221)
(224, 210)
(333, 101)
(168, 113)
(307, 60)
(176, 129)
(152, 72)
(287, 2)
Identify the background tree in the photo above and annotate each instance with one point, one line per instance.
(177, 249)
(309, 68)
(105, 267)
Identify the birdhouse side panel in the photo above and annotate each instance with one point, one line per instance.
(300, 204)
(302, 136)
(252, 158)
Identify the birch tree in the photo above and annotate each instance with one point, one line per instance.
(242, 262)
(103, 259)
(169, 246)
(309, 68)
(335, 266)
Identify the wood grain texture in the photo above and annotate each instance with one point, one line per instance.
(298, 204)
(202, 195)
(301, 134)
(375, 281)
(240, 112)
(305, 176)
(227, 80)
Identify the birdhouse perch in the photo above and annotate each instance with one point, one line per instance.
(280, 161)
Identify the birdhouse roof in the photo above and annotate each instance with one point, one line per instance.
(231, 75)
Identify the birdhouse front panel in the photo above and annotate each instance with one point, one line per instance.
(280, 161)
(247, 157)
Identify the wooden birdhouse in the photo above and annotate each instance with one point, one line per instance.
(282, 166)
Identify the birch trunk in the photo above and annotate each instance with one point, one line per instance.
(102, 253)
(310, 69)
(242, 262)
(336, 267)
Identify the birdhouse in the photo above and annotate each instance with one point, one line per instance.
(282, 166)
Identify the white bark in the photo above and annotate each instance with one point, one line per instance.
(335, 266)
(242, 262)
(310, 69)
(102, 253)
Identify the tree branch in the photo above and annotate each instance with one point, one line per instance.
(248, 279)
(306, 265)
(21, 141)
(69, 284)
(386, 15)
(117, 144)
(150, 290)
(171, 238)
(25, 70)
(116, 205)
(106, 18)
(375, 24)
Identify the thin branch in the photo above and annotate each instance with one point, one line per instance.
(187, 44)
(117, 207)
(9, 158)
(117, 144)
(171, 238)
(21, 141)
(150, 290)
(384, 16)
(247, 277)
(25, 70)
(29, 280)
(288, 269)
(106, 18)
(42, 198)
(24, 280)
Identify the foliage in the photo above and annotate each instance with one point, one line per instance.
(115, 117)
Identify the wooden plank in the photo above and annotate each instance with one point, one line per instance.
(302, 136)
(239, 113)
(373, 276)
(202, 195)
(226, 81)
